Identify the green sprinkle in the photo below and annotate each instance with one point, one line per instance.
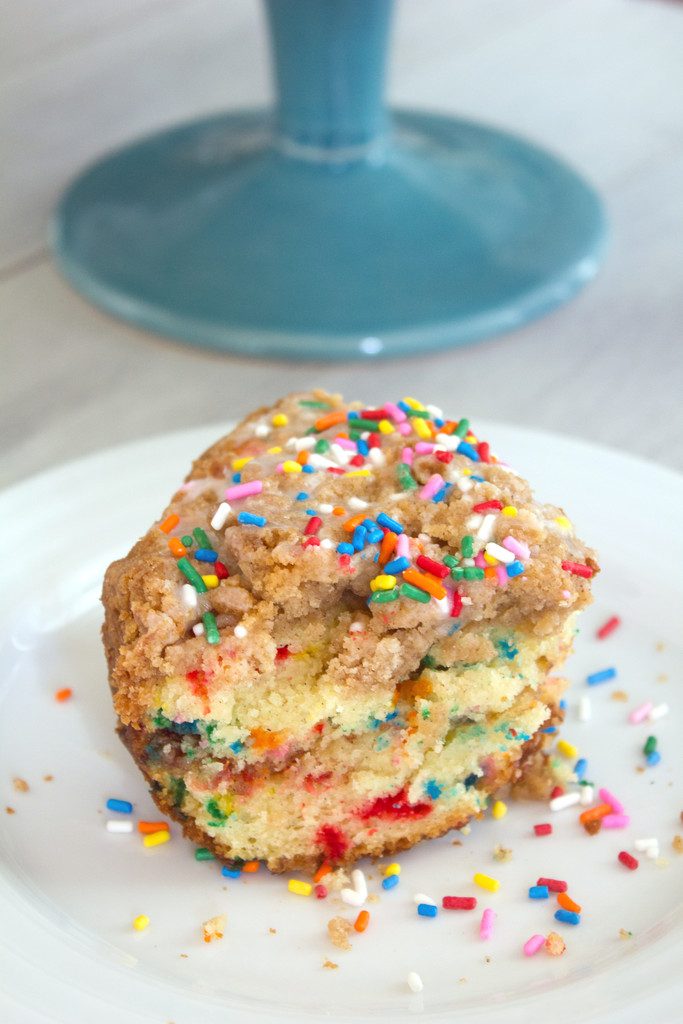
(405, 478)
(201, 538)
(359, 424)
(210, 628)
(467, 546)
(321, 446)
(457, 573)
(307, 404)
(425, 713)
(201, 853)
(473, 572)
(451, 561)
(384, 596)
(421, 414)
(178, 790)
(462, 428)
(650, 745)
(428, 662)
(187, 540)
(215, 812)
(191, 575)
(414, 593)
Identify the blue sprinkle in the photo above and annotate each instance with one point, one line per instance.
(251, 519)
(301, 496)
(397, 565)
(479, 479)
(580, 767)
(601, 677)
(515, 568)
(433, 790)
(122, 806)
(563, 704)
(206, 555)
(311, 512)
(236, 746)
(375, 536)
(405, 407)
(568, 916)
(369, 524)
(426, 909)
(359, 537)
(466, 449)
(438, 422)
(470, 780)
(237, 478)
(538, 892)
(345, 549)
(307, 469)
(362, 446)
(441, 494)
(384, 520)
(185, 728)
(353, 416)
(390, 882)
(230, 872)
(550, 728)
(653, 758)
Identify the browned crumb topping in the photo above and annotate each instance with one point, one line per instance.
(339, 929)
(677, 843)
(330, 965)
(502, 853)
(620, 695)
(593, 826)
(625, 934)
(10, 810)
(213, 928)
(555, 944)
(21, 785)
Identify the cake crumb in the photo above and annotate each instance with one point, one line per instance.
(555, 944)
(48, 778)
(373, 898)
(20, 785)
(663, 677)
(213, 928)
(593, 826)
(10, 810)
(272, 931)
(677, 843)
(339, 929)
(456, 842)
(625, 934)
(620, 695)
(330, 965)
(502, 853)
(337, 880)
(183, 956)
(660, 645)
(487, 959)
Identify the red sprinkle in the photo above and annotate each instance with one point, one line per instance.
(313, 525)
(373, 414)
(374, 441)
(484, 506)
(608, 627)
(444, 456)
(312, 542)
(578, 569)
(628, 861)
(345, 560)
(457, 605)
(320, 892)
(543, 830)
(557, 791)
(335, 471)
(459, 902)
(357, 460)
(554, 884)
(435, 568)
(483, 451)
(221, 570)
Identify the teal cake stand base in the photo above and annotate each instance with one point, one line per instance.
(311, 238)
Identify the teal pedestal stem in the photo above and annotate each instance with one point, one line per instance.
(330, 227)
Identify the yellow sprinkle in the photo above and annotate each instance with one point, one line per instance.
(392, 869)
(486, 882)
(414, 404)
(499, 809)
(156, 838)
(489, 559)
(358, 472)
(383, 583)
(509, 510)
(563, 522)
(140, 922)
(275, 450)
(467, 472)
(385, 427)
(300, 888)
(280, 420)
(241, 463)
(567, 749)
(291, 467)
(421, 429)
(471, 439)
(211, 581)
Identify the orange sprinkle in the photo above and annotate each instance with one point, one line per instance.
(338, 511)
(448, 427)
(330, 420)
(251, 866)
(302, 457)
(593, 813)
(387, 546)
(351, 524)
(264, 739)
(568, 903)
(177, 548)
(362, 921)
(489, 572)
(424, 582)
(148, 828)
(323, 870)
(170, 523)
(64, 694)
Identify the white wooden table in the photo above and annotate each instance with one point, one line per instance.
(599, 81)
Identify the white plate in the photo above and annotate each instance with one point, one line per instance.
(69, 890)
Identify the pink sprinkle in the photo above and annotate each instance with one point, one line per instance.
(403, 546)
(404, 429)
(532, 945)
(609, 798)
(244, 490)
(501, 573)
(434, 484)
(479, 560)
(407, 456)
(424, 448)
(640, 713)
(486, 926)
(394, 413)
(615, 821)
(344, 442)
(518, 547)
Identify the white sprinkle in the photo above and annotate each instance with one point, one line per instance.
(351, 897)
(240, 632)
(356, 627)
(320, 462)
(435, 412)
(585, 709)
(658, 711)
(499, 552)
(303, 443)
(641, 845)
(198, 629)
(443, 604)
(119, 826)
(357, 896)
(464, 484)
(188, 595)
(414, 982)
(377, 457)
(587, 795)
(326, 509)
(220, 516)
(341, 454)
(449, 441)
(652, 852)
(420, 897)
(326, 543)
(485, 531)
(357, 503)
(561, 803)
(261, 430)
(474, 522)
